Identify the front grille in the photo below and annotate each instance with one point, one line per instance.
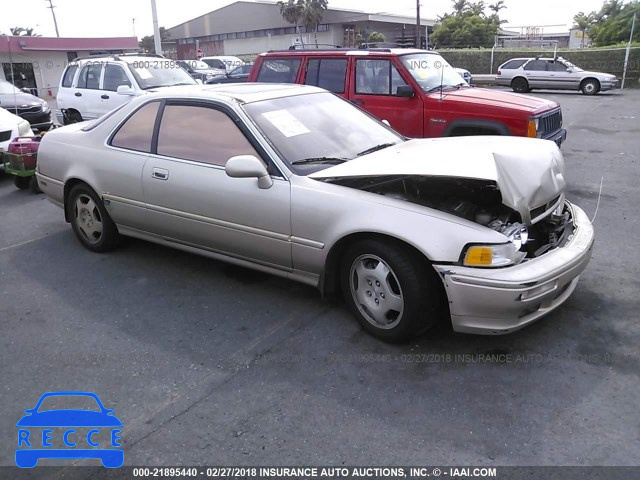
(550, 123)
(4, 136)
(23, 110)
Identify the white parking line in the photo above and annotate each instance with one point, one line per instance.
(27, 242)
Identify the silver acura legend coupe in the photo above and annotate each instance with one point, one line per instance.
(294, 181)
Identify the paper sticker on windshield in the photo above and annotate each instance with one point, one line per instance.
(288, 125)
(144, 73)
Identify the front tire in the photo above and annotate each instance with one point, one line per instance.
(520, 85)
(90, 221)
(390, 289)
(590, 87)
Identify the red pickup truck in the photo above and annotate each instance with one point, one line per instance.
(416, 91)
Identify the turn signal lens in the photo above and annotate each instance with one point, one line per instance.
(531, 129)
(479, 256)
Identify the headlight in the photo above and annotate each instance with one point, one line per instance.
(24, 129)
(501, 255)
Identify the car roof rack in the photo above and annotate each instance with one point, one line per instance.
(116, 56)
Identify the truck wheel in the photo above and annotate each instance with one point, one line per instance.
(390, 289)
(520, 85)
(590, 86)
(73, 117)
(21, 182)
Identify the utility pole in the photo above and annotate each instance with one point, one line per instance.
(626, 55)
(55, 22)
(133, 21)
(418, 24)
(156, 32)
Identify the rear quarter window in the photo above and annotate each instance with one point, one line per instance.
(513, 64)
(67, 79)
(279, 70)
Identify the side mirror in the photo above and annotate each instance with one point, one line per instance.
(570, 70)
(125, 90)
(248, 166)
(26, 90)
(405, 91)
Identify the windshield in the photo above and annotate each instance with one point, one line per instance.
(159, 73)
(7, 89)
(571, 65)
(313, 132)
(430, 71)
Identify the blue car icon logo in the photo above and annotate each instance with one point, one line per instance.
(75, 433)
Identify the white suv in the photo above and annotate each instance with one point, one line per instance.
(92, 86)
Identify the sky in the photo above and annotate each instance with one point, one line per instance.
(115, 18)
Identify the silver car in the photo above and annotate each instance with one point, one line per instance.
(525, 74)
(294, 181)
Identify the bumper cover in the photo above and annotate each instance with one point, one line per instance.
(558, 137)
(499, 301)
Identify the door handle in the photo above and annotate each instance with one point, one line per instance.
(78, 94)
(357, 102)
(160, 173)
(104, 97)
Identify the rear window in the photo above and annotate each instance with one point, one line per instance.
(327, 73)
(279, 70)
(67, 80)
(512, 64)
(137, 130)
(539, 65)
(90, 76)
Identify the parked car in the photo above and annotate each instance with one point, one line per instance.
(92, 86)
(225, 62)
(465, 74)
(34, 110)
(200, 70)
(525, 74)
(295, 181)
(416, 91)
(237, 75)
(11, 126)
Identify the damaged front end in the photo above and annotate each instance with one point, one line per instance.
(531, 232)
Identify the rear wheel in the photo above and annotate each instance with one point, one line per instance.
(520, 85)
(35, 188)
(590, 86)
(390, 289)
(73, 117)
(90, 221)
(21, 182)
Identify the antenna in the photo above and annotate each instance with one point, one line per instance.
(441, 79)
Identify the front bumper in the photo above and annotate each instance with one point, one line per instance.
(609, 85)
(503, 300)
(558, 137)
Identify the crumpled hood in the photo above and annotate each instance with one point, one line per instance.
(528, 172)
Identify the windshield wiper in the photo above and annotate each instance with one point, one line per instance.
(375, 149)
(331, 160)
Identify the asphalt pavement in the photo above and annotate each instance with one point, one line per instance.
(210, 364)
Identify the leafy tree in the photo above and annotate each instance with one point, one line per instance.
(376, 37)
(468, 25)
(147, 43)
(612, 23)
(23, 32)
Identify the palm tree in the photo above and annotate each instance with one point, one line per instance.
(583, 22)
(23, 32)
(291, 11)
(312, 11)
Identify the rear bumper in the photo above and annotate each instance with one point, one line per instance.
(503, 300)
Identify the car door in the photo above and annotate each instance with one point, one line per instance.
(559, 77)
(87, 92)
(373, 87)
(191, 199)
(536, 74)
(114, 76)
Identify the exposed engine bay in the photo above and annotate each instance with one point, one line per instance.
(476, 200)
